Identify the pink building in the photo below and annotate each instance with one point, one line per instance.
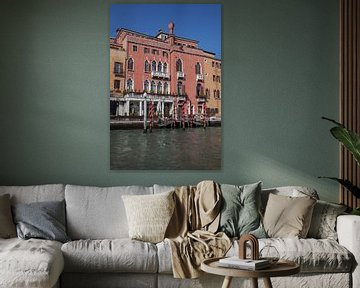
(166, 70)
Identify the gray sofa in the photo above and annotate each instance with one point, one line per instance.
(101, 254)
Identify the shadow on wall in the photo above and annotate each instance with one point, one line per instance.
(274, 173)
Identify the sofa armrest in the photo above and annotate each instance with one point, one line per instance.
(348, 230)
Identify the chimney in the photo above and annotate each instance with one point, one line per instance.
(171, 27)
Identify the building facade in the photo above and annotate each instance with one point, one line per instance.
(167, 74)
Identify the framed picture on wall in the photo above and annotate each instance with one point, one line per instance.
(165, 86)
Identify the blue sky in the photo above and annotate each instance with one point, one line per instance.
(201, 22)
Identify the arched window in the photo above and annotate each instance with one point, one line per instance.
(180, 88)
(199, 90)
(146, 85)
(159, 67)
(130, 64)
(179, 65)
(197, 68)
(147, 66)
(215, 93)
(166, 88)
(165, 68)
(129, 85)
(153, 87)
(159, 88)
(153, 66)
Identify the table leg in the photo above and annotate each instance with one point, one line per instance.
(227, 282)
(254, 282)
(267, 283)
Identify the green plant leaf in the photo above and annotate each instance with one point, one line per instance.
(347, 184)
(349, 139)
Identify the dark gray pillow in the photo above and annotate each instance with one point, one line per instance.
(240, 213)
(44, 220)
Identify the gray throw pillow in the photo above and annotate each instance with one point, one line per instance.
(240, 213)
(323, 222)
(44, 220)
(7, 226)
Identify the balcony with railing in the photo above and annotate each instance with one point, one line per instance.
(201, 98)
(180, 75)
(158, 74)
(199, 77)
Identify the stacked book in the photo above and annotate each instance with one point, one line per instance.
(248, 264)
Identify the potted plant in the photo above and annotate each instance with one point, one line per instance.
(351, 141)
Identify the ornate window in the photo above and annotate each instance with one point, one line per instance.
(153, 87)
(131, 64)
(165, 67)
(179, 66)
(180, 88)
(153, 66)
(166, 88)
(159, 88)
(129, 85)
(160, 67)
(146, 85)
(147, 66)
(198, 68)
(199, 90)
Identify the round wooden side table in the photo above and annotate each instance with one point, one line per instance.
(281, 268)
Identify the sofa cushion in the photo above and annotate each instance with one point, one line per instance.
(116, 255)
(43, 220)
(240, 210)
(36, 193)
(149, 215)
(313, 255)
(287, 216)
(323, 222)
(30, 263)
(7, 226)
(98, 213)
(291, 191)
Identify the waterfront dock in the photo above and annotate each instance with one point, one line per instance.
(127, 123)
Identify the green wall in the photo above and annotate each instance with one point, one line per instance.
(280, 75)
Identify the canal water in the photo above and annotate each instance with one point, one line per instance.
(166, 149)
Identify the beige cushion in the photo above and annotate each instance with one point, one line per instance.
(149, 215)
(287, 217)
(7, 226)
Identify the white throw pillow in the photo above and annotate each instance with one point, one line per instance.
(149, 215)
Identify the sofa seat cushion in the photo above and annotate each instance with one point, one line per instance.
(313, 255)
(30, 263)
(115, 255)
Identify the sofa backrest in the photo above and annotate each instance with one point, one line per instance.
(36, 193)
(98, 212)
